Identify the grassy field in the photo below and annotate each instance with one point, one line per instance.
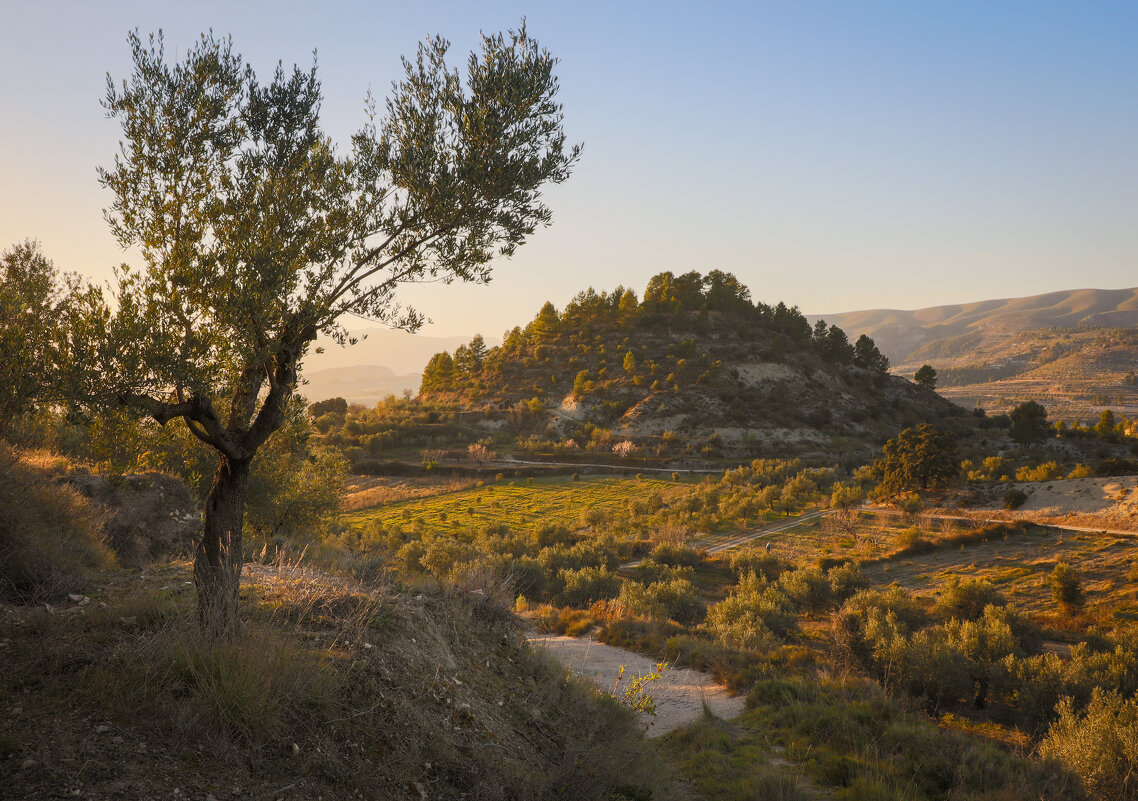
(1019, 566)
(520, 504)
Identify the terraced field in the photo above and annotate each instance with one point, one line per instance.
(1018, 565)
(520, 505)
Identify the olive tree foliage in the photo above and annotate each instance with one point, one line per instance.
(35, 299)
(257, 233)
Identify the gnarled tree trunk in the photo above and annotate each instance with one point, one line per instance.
(218, 558)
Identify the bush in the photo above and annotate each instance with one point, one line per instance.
(755, 560)
(754, 616)
(807, 587)
(1066, 589)
(1014, 498)
(675, 599)
(1048, 471)
(675, 555)
(904, 608)
(1100, 745)
(966, 600)
(587, 585)
(1115, 466)
(845, 580)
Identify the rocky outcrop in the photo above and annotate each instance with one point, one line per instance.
(149, 516)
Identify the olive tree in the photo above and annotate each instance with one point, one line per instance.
(35, 297)
(256, 233)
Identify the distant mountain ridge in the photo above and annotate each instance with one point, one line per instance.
(364, 383)
(900, 334)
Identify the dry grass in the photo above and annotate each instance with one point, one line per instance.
(337, 688)
(51, 538)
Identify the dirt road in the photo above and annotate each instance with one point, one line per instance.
(679, 695)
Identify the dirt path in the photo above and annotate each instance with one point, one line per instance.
(679, 695)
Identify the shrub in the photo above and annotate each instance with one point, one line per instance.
(410, 556)
(807, 587)
(1048, 471)
(755, 560)
(586, 553)
(905, 609)
(676, 555)
(1066, 589)
(587, 585)
(1014, 498)
(754, 616)
(845, 580)
(1100, 745)
(966, 600)
(675, 599)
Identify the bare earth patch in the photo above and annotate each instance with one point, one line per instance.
(1106, 503)
(679, 695)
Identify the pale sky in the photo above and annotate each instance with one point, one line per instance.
(834, 155)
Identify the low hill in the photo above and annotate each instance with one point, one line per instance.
(695, 368)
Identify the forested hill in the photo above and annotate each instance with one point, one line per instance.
(694, 361)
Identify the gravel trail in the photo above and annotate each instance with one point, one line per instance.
(679, 695)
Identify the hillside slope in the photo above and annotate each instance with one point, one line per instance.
(1075, 352)
(900, 334)
(695, 368)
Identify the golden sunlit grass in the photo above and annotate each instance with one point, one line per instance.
(519, 504)
(364, 493)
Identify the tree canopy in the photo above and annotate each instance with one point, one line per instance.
(925, 377)
(35, 300)
(257, 233)
(1029, 423)
(920, 457)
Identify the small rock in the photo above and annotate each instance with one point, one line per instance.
(295, 749)
(76, 598)
(102, 729)
(27, 763)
